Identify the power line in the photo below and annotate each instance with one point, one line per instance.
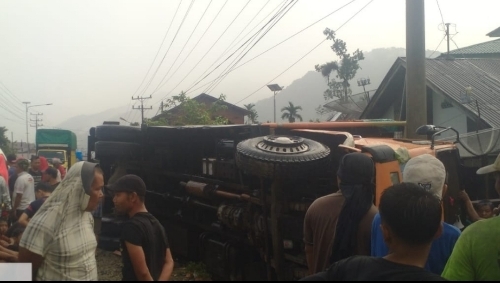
(164, 56)
(156, 56)
(10, 93)
(11, 104)
(282, 4)
(195, 47)
(231, 67)
(219, 37)
(314, 48)
(219, 56)
(198, 81)
(269, 49)
(182, 49)
(161, 45)
(439, 7)
(437, 46)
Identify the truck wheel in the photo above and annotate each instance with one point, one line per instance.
(106, 149)
(118, 133)
(287, 156)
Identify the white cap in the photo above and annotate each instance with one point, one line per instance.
(426, 171)
(495, 167)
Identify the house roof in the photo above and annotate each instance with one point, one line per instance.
(450, 77)
(494, 33)
(489, 47)
(209, 98)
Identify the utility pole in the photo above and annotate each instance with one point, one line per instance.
(142, 106)
(27, 121)
(448, 39)
(416, 94)
(36, 120)
(12, 141)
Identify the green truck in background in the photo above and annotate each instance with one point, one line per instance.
(57, 143)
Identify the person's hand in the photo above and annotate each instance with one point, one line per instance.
(496, 210)
(463, 195)
(4, 243)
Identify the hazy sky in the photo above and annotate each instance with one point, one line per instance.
(89, 56)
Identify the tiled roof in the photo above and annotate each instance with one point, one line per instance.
(490, 47)
(483, 75)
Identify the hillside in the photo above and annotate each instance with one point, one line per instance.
(308, 90)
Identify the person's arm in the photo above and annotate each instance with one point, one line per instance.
(308, 242)
(168, 267)
(17, 202)
(309, 257)
(469, 206)
(7, 257)
(24, 219)
(35, 259)
(138, 260)
(6, 250)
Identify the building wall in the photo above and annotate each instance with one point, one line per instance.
(448, 117)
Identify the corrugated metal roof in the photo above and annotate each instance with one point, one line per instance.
(489, 47)
(494, 33)
(451, 77)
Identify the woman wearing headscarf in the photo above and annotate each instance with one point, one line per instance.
(44, 164)
(59, 240)
(339, 225)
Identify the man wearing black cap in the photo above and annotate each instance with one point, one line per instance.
(146, 254)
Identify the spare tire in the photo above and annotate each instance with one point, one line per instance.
(286, 156)
(118, 133)
(106, 149)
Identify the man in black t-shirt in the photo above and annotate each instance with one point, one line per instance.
(410, 221)
(42, 192)
(146, 254)
(34, 171)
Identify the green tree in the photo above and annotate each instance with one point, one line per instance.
(5, 143)
(345, 69)
(190, 112)
(135, 124)
(252, 117)
(291, 112)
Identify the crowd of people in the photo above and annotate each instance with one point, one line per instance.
(405, 238)
(50, 224)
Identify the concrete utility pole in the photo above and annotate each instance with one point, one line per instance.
(142, 106)
(36, 120)
(416, 94)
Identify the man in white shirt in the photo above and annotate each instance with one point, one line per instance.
(24, 189)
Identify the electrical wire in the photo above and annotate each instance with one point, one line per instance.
(437, 46)
(208, 27)
(283, 41)
(440, 12)
(314, 48)
(171, 43)
(233, 64)
(156, 56)
(216, 40)
(182, 49)
(230, 46)
(282, 4)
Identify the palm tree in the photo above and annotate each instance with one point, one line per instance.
(291, 113)
(252, 117)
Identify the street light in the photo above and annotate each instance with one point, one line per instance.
(275, 88)
(27, 121)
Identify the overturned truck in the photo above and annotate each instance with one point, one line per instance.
(234, 197)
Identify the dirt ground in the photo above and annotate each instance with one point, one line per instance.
(109, 267)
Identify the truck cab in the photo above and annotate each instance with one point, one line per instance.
(57, 143)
